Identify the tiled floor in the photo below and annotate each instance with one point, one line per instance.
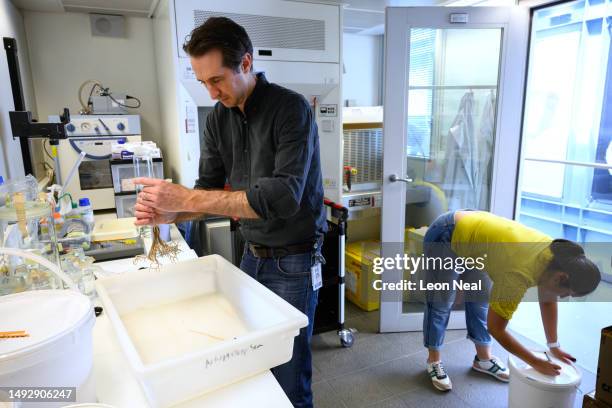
(387, 370)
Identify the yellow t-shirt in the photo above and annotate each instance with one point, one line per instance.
(515, 256)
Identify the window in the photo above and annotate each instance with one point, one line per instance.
(422, 64)
(566, 174)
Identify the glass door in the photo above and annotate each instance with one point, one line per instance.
(453, 96)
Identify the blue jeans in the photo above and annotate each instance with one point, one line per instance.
(437, 243)
(289, 277)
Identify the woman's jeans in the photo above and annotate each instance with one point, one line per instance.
(290, 278)
(437, 243)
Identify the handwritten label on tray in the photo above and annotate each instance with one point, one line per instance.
(231, 355)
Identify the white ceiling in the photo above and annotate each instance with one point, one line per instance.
(360, 16)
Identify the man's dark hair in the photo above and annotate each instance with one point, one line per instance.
(223, 34)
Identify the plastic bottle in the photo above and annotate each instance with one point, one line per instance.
(86, 212)
(75, 213)
(117, 148)
(127, 151)
(2, 192)
(58, 222)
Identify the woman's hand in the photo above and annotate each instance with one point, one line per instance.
(546, 367)
(562, 355)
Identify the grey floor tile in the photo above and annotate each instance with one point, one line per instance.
(407, 343)
(316, 375)
(393, 402)
(459, 352)
(411, 343)
(366, 324)
(361, 388)
(426, 397)
(403, 374)
(331, 360)
(325, 397)
(375, 350)
(480, 390)
(325, 340)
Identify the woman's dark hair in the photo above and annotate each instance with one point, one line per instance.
(223, 34)
(569, 257)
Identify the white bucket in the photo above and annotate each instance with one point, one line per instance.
(531, 389)
(58, 351)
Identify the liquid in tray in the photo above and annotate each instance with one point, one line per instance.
(175, 329)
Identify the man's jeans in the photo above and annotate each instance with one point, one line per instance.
(437, 243)
(290, 278)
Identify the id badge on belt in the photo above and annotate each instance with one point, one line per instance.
(316, 273)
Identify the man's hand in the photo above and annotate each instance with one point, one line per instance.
(149, 216)
(562, 355)
(163, 196)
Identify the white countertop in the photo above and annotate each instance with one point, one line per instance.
(117, 386)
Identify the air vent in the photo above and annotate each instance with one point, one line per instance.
(274, 32)
(363, 150)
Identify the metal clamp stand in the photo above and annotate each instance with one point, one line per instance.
(347, 336)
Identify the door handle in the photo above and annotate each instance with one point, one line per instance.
(395, 177)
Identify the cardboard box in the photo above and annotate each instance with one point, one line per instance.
(603, 392)
(589, 401)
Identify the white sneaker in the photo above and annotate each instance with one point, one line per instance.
(438, 376)
(494, 367)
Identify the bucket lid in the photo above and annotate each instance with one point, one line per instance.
(570, 376)
(45, 315)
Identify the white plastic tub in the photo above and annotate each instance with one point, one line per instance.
(58, 351)
(197, 325)
(530, 389)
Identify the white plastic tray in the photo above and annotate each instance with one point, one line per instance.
(195, 326)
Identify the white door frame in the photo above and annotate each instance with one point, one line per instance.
(514, 22)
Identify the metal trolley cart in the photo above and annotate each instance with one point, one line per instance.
(330, 310)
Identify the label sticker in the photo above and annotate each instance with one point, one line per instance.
(361, 202)
(328, 110)
(317, 278)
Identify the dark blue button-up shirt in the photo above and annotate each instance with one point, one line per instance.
(271, 152)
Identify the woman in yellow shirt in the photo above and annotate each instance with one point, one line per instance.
(512, 258)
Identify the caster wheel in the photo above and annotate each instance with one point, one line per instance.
(347, 338)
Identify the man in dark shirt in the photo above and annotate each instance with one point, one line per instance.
(262, 140)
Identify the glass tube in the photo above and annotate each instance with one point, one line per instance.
(143, 167)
